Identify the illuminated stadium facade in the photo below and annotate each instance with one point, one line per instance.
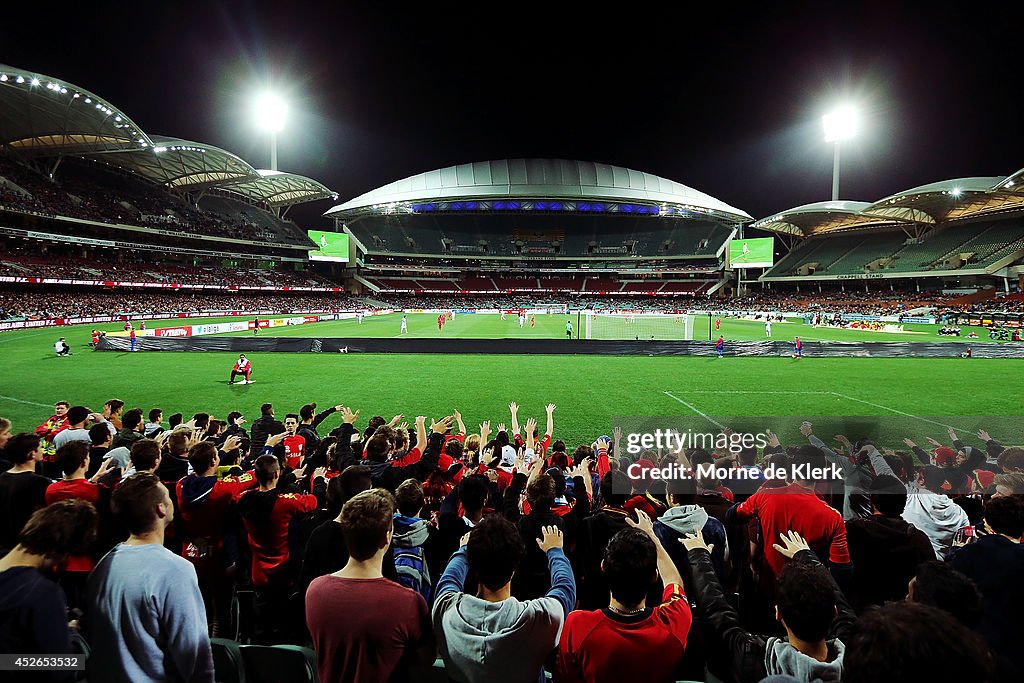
(538, 216)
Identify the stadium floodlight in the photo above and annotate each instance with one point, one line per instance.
(271, 112)
(840, 124)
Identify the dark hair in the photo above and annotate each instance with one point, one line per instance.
(904, 641)
(1011, 459)
(541, 493)
(453, 449)
(174, 420)
(77, 415)
(939, 585)
(71, 456)
(201, 420)
(20, 448)
(888, 495)
(145, 453)
(155, 413)
(933, 477)
(132, 419)
(267, 409)
(354, 480)
(558, 446)
(581, 453)
(1006, 516)
(177, 443)
(114, 404)
(307, 411)
(201, 456)
(615, 481)
(805, 596)
(99, 434)
(292, 416)
(135, 500)
(631, 565)
(377, 448)
(335, 496)
(366, 520)
(266, 468)
(409, 497)
(62, 403)
(233, 417)
(747, 456)
(811, 458)
(60, 529)
(495, 550)
(473, 493)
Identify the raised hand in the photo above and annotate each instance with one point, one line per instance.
(551, 537)
(805, 428)
(276, 439)
(934, 442)
(952, 434)
(232, 443)
(550, 408)
(910, 443)
(320, 473)
(395, 420)
(643, 523)
(984, 436)
(773, 440)
(347, 416)
(442, 426)
(696, 542)
(794, 543)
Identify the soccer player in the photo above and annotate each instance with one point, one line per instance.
(522, 319)
(768, 327)
(256, 326)
(533, 321)
(131, 337)
(95, 339)
(503, 314)
(359, 317)
(294, 444)
(127, 325)
(798, 348)
(718, 323)
(568, 329)
(243, 367)
(142, 326)
(440, 322)
(720, 346)
(405, 326)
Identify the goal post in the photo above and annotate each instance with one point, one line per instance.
(636, 326)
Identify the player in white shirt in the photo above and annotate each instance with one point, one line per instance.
(503, 315)
(405, 326)
(768, 327)
(359, 317)
(522, 320)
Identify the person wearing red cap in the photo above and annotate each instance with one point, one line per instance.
(960, 462)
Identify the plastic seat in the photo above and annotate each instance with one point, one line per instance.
(279, 664)
(228, 666)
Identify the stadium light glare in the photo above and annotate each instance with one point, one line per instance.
(35, 81)
(842, 123)
(3, 78)
(956, 192)
(271, 112)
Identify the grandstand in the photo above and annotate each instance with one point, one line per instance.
(965, 233)
(539, 224)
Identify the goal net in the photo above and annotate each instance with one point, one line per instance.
(637, 326)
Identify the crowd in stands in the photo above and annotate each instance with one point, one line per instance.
(839, 301)
(504, 552)
(18, 304)
(89, 191)
(138, 268)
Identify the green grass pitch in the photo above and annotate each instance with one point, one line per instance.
(589, 390)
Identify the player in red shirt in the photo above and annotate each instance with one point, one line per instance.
(533, 321)
(127, 325)
(267, 513)
(629, 640)
(294, 444)
(131, 337)
(440, 322)
(243, 367)
(718, 323)
(95, 339)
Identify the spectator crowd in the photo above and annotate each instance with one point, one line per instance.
(501, 553)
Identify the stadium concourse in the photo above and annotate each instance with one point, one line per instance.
(385, 535)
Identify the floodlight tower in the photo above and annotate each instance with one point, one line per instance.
(840, 124)
(271, 112)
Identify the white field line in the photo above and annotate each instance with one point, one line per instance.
(893, 410)
(28, 403)
(695, 409)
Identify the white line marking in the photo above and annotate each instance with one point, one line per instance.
(893, 410)
(694, 409)
(28, 403)
(753, 391)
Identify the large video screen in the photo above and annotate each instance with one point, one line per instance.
(333, 246)
(752, 253)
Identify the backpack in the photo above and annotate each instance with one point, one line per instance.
(411, 566)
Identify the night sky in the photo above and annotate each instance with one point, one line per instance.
(719, 96)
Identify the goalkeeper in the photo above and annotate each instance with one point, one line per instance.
(243, 367)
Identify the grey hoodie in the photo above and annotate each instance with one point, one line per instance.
(937, 516)
(782, 658)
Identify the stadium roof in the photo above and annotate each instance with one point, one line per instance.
(548, 178)
(45, 116)
(917, 208)
(182, 165)
(282, 189)
(42, 116)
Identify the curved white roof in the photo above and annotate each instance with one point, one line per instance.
(551, 178)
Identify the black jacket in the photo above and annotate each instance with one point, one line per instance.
(309, 433)
(885, 552)
(746, 653)
(263, 428)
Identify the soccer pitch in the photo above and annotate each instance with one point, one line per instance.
(590, 391)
